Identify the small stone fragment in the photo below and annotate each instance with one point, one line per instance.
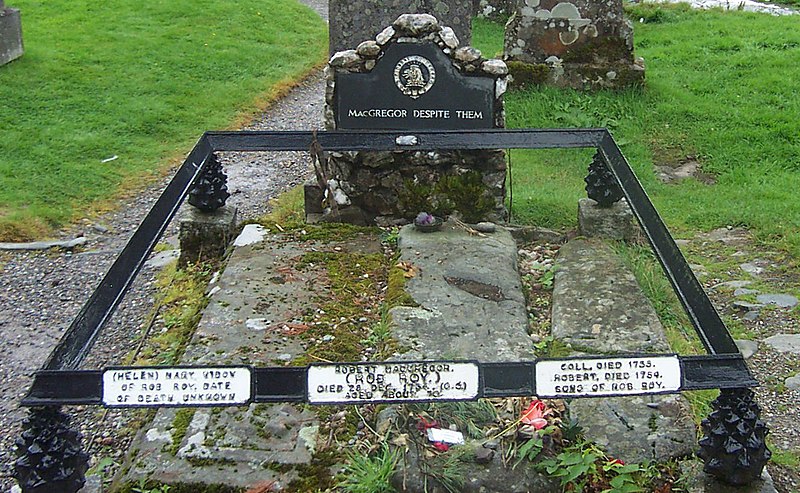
(484, 455)
(780, 300)
(485, 227)
(744, 292)
(449, 37)
(369, 49)
(785, 343)
(468, 54)
(491, 444)
(385, 36)
(494, 67)
(746, 306)
(751, 268)
(345, 58)
(747, 348)
(416, 24)
(751, 316)
(793, 383)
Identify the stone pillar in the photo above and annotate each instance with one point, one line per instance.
(413, 75)
(205, 235)
(10, 34)
(353, 21)
(582, 44)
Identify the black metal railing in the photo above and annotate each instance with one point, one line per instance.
(49, 453)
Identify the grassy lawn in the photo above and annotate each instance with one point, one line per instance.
(137, 80)
(723, 87)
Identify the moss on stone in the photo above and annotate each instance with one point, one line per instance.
(151, 485)
(603, 49)
(527, 74)
(315, 476)
(466, 194)
(180, 424)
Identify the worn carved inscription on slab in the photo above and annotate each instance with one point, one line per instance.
(414, 86)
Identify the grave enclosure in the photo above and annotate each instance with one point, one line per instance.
(50, 453)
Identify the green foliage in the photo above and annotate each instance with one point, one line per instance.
(583, 466)
(365, 474)
(487, 36)
(143, 488)
(139, 81)
(531, 449)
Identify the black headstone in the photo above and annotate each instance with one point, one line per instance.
(414, 86)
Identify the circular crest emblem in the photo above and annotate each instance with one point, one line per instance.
(414, 76)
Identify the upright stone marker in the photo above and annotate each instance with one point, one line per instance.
(581, 44)
(413, 75)
(352, 21)
(10, 34)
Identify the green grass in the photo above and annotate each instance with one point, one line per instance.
(138, 80)
(722, 86)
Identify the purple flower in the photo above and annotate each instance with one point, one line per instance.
(424, 219)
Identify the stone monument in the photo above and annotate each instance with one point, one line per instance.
(354, 21)
(10, 34)
(580, 44)
(413, 75)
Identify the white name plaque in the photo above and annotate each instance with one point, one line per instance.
(608, 376)
(154, 387)
(392, 382)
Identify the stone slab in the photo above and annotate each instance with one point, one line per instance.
(469, 295)
(11, 46)
(259, 291)
(785, 343)
(598, 306)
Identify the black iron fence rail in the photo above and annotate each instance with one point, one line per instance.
(289, 384)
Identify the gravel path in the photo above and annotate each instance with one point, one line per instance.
(41, 292)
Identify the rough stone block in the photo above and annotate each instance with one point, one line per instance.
(205, 235)
(10, 34)
(612, 223)
(312, 197)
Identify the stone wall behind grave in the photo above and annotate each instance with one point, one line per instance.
(582, 44)
(387, 188)
(352, 21)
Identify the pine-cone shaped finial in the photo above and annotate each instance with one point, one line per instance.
(601, 186)
(211, 189)
(734, 448)
(50, 458)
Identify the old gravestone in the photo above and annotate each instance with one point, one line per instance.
(10, 34)
(580, 44)
(354, 21)
(413, 75)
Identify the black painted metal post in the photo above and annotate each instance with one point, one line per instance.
(601, 186)
(211, 189)
(734, 448)
(50, 458)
